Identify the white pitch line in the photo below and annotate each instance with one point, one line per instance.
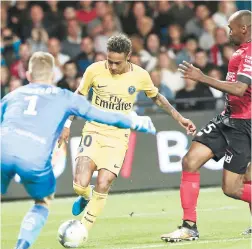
(143, 246)
(135, 215)
(211, 241)
(184, 243)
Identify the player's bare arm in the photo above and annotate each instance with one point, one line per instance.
(191, 72)
(187, 124)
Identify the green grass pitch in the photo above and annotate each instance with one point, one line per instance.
(136, 221)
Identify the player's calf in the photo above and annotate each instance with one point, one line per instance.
(189, 163)
(231, 191)
(32, 223)
(99, 198)
(84, 170)
(233, 186)
(81, 184)
(103, 184)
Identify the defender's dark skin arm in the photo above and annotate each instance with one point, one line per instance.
(237, 88)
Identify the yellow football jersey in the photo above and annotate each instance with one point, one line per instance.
(115, 93)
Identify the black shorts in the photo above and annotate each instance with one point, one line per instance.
(230, 138)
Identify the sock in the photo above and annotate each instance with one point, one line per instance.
(85, 192)
(31, 226)
(189, 192)
(246, 193)
(249, 182)
(93, 209)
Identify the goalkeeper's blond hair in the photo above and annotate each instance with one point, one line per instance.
(41, 66)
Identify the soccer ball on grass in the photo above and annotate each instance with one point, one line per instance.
(72, 234)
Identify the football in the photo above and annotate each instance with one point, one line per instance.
(72, 234)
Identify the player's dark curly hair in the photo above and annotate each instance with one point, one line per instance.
(119, 43)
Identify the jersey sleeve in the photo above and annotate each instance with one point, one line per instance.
(147, 85)
(86, 81)
(81, 107)
(78, 104)
(4, 102)
(244, 73)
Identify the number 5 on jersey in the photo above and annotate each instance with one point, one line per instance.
(31, 109)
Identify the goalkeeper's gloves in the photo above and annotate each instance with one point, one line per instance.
(142, 124)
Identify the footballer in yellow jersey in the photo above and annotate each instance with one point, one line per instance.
(115, 83)
(111, 92)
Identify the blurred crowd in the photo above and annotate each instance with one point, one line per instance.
(163, 34)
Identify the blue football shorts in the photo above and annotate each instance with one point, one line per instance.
(38, 184)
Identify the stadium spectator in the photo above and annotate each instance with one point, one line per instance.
(181, 13)
(135, 13)
(190, 94)
(38, 40)
(17, 17)
(102, 9)
(135, 59)
(60, 59)
(38, 20)
(108, 29)
(164, 17)
(206, 40)
(14, 84)
(225, 9)
(175, 38)
(169, 73)
(19, 67)
(69, 14)
(86, 57)
(54, 13)
(145, 26)
(5, 75)
(86, 13)
(188, 53)
(147, 60)
(137, 43)
(202, 61)
(195, 25)
(3, 16)
(71, 45)
(9, 47)
(221, 38)
(100, 57)
(55, 16)
(152, 47)
(153, 44)
(148, 105)
(69, 79)
(216, 73)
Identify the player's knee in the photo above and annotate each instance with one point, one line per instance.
(189, 163)
(79, 181)
(103, 185)
(230, 191)
(45, 201)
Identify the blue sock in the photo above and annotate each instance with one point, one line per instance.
(31, 226)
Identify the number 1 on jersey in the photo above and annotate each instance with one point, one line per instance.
(32, 105)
